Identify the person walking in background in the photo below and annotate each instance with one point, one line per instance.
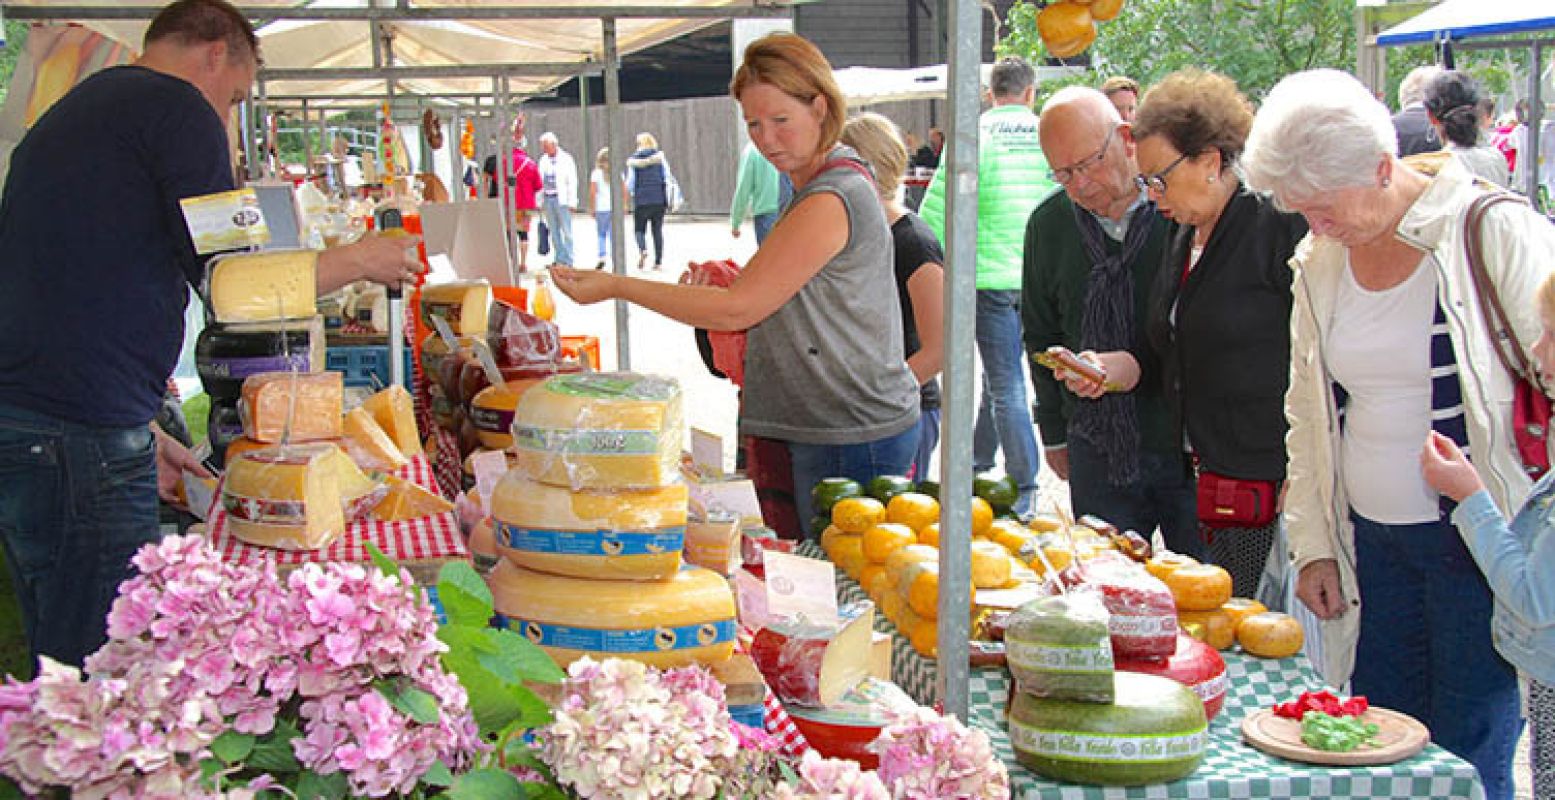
(1452, 101)
(600, 202)
(1219, 318)
(755, 193)
(1412, 123)
(920, 273)
(648, 179)
(525, 183)
(1388, 330)
(823, 342)
(1518, 559)
(559, 196)
(1123, 91)
(926, 154)
(1012, 179)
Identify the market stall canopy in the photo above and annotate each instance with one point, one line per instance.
(447, 37)
(864, 86)
(1464, 19)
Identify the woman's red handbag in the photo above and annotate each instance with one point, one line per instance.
(1236, 503)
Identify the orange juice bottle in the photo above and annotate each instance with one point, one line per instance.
(542, 304)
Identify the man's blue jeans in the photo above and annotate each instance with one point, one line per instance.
(558, 218)
(764, 223)
(1004, 416)
(1425, 646)
(1163, 496)
(889, 456)
(76, 502)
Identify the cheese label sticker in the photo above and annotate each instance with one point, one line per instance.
(225, 221)
(263, 511)
(1075, 658)
(1210, 689)
(491, 420)
(1142, 625)
(1113, 748)
(576, 442)
(642, 640)
(241, 367)
(596, 543)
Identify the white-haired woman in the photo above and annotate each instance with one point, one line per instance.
(1388, 343)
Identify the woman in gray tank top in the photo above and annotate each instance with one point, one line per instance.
(824, 341)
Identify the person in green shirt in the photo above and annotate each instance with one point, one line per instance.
(1012, 178)
(755, 193)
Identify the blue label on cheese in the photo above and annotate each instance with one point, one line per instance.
(591, 543)
(643, 640)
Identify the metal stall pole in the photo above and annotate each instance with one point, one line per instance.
(583, 118)
(955, 555)
(383, 53)
(307, 145)
(504, 139)
(617, 220)
(1535, 128)
(263, 113)
(246, 126)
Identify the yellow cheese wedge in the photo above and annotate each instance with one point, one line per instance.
(268, 400)
(264, 287)
(464, 305)
(358, 493)
(491, 412)
(395, 412)
(608, 535)
(285, 497)
(600, 430)
(365, 441)
(674, 623)
(405, 500)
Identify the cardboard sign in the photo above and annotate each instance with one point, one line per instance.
(707, 453)
(225, 221)
(797, 585)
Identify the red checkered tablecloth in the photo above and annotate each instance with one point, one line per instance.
(425, 539)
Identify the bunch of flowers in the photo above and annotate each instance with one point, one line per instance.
(623, 730)
(338, 670)
(924, 756)
(832, 779)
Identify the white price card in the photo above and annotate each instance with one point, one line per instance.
(707, 453)
(797, 585)
(225, 221)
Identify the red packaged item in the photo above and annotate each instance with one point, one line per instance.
(1195, 665)
(1144, 617)
(812, 664)
(518, 338)
(846, 728)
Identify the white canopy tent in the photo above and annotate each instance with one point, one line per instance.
(1504, 24)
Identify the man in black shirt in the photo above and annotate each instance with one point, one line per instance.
(97, 261)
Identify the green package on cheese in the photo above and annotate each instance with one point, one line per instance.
(1058, 647)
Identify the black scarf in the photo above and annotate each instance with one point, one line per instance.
(1110, 423)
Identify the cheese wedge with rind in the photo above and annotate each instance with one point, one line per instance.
(395, 412)
(264, 287)
(288, 498)
(268, 400)
(405, 501)
(366, 442)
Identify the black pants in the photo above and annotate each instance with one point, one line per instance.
(642, 217)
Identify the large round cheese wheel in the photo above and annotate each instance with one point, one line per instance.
(1195, 665)
(687, 619)
(491, 411)
(1059, 647)
(226, 354)
(847, 728)
(602, 535)
(1154, 731)
(600, 430)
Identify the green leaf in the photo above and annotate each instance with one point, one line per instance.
(415, 703)
(541, 791)
(534, 713)
(525, 658)
(273, 754)
(9, 790)
(465, 596)
(492, 699)
(232, 747)
(438, 775)
(209, 767)
(485, 784)
(466, 640)
(313, 786)
(519, 753)
(385, 564)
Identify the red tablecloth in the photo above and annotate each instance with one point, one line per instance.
(425, 539)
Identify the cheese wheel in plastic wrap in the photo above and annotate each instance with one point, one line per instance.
(628, 535)
(685, 620)
(600, 431)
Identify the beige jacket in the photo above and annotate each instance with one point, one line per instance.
(1519, 249)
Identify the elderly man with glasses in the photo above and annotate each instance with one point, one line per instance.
(1091, 254)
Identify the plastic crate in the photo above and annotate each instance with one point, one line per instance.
(365, 365)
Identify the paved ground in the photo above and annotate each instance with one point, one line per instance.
(663, 346)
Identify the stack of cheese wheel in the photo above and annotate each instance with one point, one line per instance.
(591, 521)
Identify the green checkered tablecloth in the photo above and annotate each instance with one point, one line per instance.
(1231, 769)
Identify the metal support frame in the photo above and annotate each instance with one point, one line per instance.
(404, 13)
(614, 134)
(393, 73)
(955, 555)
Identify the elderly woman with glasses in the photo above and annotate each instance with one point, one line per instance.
(1219, 322)
(1389, 343)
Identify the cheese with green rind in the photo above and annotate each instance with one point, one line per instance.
(1059, 647)
(1154, 731)
(600, 431)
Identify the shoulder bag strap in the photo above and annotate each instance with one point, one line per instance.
(1502, 335)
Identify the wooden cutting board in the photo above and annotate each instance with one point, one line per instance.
(1400, 736)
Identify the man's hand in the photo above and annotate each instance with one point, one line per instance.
(1318, 587)
(1058, 461)
(173, 460)
(387, 259)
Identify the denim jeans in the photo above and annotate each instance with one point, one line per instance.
(1425, 646)
(76, 502)
(889, 456)
(764, 223)
(1162, 497)
(559, 219)
(928, 439)
(1004, 416)
(602, 233)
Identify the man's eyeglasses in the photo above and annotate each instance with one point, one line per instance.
(1157, 182)
(1084, 165)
